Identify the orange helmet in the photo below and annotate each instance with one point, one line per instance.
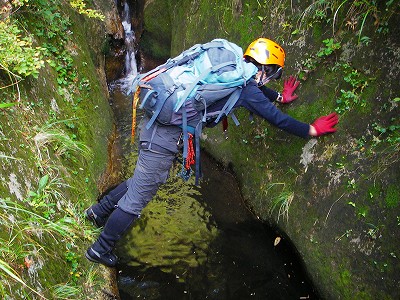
(266, 52)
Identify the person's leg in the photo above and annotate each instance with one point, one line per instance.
(101, 251)
(99, 212)
(151, 171)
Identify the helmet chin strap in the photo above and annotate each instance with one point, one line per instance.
(276, 75)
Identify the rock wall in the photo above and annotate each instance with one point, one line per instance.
(335, 197)
(54, 145)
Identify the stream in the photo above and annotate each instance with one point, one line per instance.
(198, 242)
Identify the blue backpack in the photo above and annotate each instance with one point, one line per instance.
(180, 91)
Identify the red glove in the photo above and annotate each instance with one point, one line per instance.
(325, 124)
(289, 86)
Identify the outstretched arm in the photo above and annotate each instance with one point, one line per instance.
(255, 100)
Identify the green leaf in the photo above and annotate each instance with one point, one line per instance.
(4, 105)
(32, 194)
(42, 183)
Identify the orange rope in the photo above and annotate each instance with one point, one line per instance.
(134, 109)
(190, 159)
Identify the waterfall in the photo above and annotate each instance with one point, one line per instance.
(130, 60)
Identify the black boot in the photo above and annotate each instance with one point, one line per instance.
(101, 251)
(94, 218)
(107, 259)
(98, 213)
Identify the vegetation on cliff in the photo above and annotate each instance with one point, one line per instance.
(54, 125)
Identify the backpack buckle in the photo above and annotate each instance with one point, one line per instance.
(172, 89)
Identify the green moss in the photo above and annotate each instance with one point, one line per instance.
(392, 197)
(156, 38)
(374, 191)
(363, 211)
(368, 98)
(345, 277)
(317, 30)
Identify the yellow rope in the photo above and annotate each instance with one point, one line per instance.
(134, 108)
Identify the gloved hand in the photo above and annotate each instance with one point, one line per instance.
(324, 125)
(289, 86)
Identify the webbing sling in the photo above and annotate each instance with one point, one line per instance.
(197, 145)
(185, 133)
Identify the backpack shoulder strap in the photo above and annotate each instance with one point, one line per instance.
(230, 103)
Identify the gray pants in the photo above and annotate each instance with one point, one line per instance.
(158, 146)
(152, 170)
(125, 203)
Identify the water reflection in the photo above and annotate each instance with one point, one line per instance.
(173, 233)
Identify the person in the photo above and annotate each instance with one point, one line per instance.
(117, 210)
